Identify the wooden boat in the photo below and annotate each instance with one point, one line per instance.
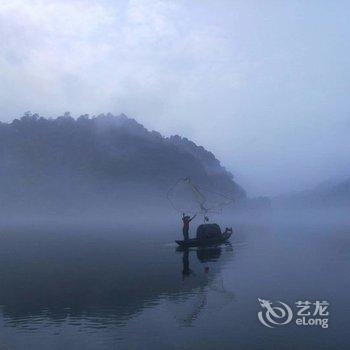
(194, 242)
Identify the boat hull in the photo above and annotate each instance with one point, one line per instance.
(194, 242)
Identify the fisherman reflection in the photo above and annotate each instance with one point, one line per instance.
(186, 271)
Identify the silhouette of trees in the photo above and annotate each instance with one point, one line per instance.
(58, 160)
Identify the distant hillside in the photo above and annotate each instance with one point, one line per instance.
(324, 195)
(103, 162)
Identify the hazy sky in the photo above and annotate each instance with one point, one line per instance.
(263, 84)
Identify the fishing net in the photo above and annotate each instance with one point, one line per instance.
(187, 197)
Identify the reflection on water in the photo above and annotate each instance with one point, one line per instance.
(204, 254)
(105, 289)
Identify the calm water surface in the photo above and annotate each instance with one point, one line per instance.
(74, 287)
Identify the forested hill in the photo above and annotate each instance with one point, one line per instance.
(328, 194)
(97, 162)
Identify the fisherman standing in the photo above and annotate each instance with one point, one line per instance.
(186, 225)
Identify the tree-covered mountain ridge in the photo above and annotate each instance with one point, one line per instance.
(330, 194)
(99, 160)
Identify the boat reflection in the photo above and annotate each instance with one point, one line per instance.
(209, 291)
(203, 255)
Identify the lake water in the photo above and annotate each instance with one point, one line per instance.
(112, 287)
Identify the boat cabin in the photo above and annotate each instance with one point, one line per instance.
(208, 231)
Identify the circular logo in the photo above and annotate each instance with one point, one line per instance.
(274, 315)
